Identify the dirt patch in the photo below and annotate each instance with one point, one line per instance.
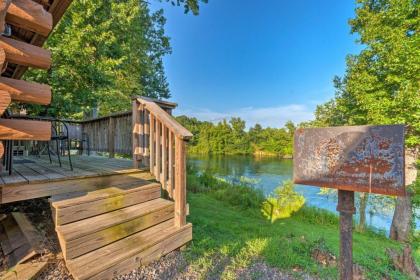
(324, 258)
(261, 271)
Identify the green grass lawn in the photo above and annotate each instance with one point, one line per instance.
(227, 238)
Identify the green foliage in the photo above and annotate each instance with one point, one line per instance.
(104, 52)
(231, 137)
(381, 84)
(283, 203)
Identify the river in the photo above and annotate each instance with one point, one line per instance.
(269, 172)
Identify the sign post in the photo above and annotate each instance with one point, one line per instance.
(345, 207)
(353, 158)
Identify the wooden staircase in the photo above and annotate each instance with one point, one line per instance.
(114, 230)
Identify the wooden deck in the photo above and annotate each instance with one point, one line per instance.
(35, 177)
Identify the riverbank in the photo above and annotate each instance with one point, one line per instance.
(231, 235)
(193, 152)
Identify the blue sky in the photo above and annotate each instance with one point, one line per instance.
(264, 61)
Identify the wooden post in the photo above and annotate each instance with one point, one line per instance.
(152, 143)
(180, 183)
(141, 133)
(346, 208)
(146, 153)
(164, 174)
(171, 158)
(111, 137)
(158, 160)
(135, 124)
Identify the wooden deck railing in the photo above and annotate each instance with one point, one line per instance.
(111, 133)
(159, 143)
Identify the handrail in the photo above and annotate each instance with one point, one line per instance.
(159, 143)
(164, 117)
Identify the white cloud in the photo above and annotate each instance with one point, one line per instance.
(266, 116)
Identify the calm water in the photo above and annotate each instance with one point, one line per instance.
(270, 172)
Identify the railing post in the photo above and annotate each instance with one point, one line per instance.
(158, 143)
(146, 138)
(171, 158)
(152, 152)
(164, 174)
(136, 130)
(180, 183)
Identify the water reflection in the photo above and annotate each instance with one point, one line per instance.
(270, 172)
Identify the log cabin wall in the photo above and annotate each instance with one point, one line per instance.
(24, 27)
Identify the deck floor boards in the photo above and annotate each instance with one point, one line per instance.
(34, 169)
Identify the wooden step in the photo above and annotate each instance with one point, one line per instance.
(81, 205)
(87, 235)
(131, 252)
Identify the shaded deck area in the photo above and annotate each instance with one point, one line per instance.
(35, 177)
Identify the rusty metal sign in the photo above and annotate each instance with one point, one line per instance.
(354, 158)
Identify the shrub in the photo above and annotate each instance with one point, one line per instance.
(283, 203)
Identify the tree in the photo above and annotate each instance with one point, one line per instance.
(232, 138)
(189, 5)
(381, 84)
(383, 78)
(104, 52)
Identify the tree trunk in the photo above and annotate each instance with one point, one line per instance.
(362, 211)
(401, 222)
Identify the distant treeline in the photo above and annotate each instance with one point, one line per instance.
(231, 137)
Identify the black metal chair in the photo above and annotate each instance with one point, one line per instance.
(8, 155)
(60, 134)
(78, 139)
(8, 149)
